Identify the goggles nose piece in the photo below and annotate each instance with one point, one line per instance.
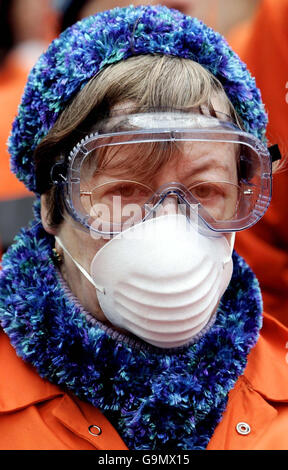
(170, 204)
(170, 201)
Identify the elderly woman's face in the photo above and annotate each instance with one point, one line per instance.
(195, 163)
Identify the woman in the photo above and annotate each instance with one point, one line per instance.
(131, 319)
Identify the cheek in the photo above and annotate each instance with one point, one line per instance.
(87, 247)
(81, 244)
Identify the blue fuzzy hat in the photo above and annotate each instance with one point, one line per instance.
(85, 48)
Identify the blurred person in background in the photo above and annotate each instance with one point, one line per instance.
(26, 27)
(262, 43)
(74, 10)
(219, 14)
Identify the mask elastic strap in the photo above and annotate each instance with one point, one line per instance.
(231, 247)
(83, 271)
(275, 153)
(232, 242)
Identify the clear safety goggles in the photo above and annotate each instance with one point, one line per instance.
(137, 166)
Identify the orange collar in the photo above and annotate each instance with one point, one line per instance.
(20, 385)
(267, 369)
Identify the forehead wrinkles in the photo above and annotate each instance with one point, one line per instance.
(145, 160)
(136, 159)
(214, 160)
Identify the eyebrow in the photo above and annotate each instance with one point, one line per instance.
(207, 162)
(213, 163)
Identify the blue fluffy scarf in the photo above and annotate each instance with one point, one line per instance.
(162, 400)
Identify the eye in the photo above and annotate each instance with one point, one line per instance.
(219, 198)
(128, 191)
(125, 191)
(206, 190)
(131, 191)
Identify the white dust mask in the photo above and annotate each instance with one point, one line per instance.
(161, 279)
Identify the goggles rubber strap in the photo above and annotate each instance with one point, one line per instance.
(58, 173)
(275, 153)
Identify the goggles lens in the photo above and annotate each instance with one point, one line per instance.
(117, 179)
(118, 203)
